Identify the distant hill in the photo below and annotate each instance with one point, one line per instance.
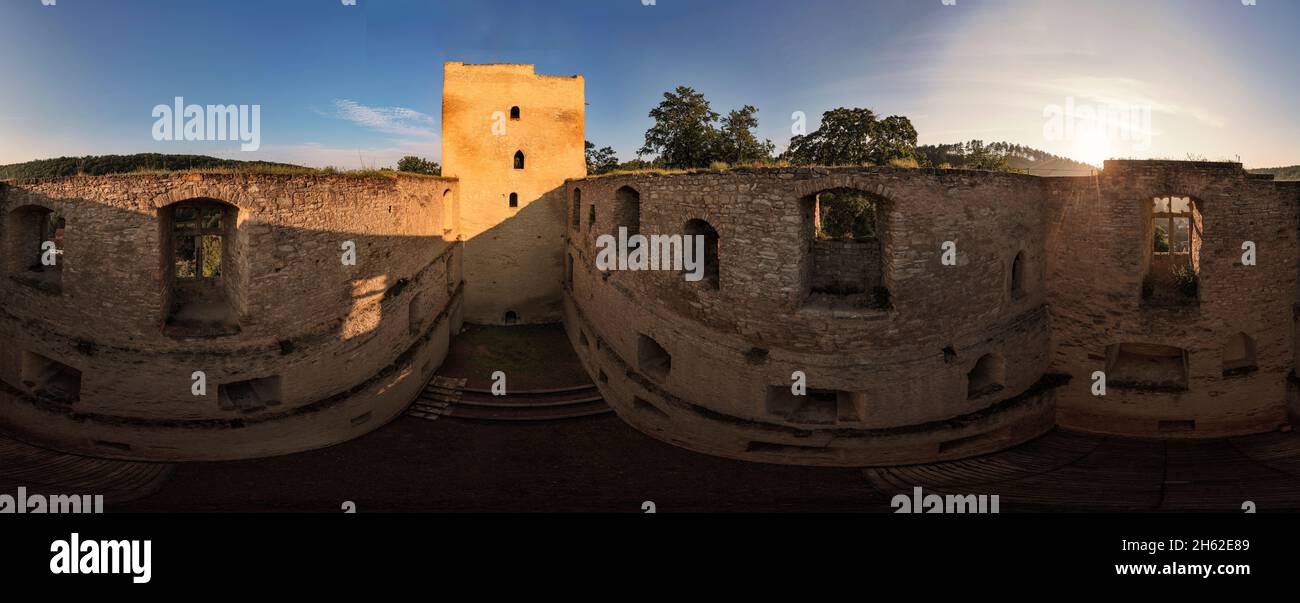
(1280, 173)
(99, 165)
(1019, 158)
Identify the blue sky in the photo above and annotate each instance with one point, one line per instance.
(361, 85)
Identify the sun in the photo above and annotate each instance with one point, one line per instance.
(1092, 148)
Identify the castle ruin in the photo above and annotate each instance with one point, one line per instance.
(908, 359)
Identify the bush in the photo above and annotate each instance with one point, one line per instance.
(1187, 280)
(419, 165)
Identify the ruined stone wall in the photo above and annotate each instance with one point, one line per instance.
(512, 254)
(841, 264)
(340, 339)
(899, 374)
(1099, 241)
(910, 381)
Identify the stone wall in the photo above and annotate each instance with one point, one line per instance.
(961, 360)
(953, 360)
(901, 372)
(335, 342)
(846, 265)
(512, 254)
(1100, 242)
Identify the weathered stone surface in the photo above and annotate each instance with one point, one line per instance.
(351, 348)
(512, 254)
(1081, 242)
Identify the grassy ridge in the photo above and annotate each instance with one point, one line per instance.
(1281, 173)
(99, 165)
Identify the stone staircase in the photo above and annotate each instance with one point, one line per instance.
(448, 397)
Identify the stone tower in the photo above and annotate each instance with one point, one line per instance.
(512, 138)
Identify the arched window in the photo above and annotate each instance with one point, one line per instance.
(511, 317)
(577, 207)
(519, 160)
(1018, 276)
(448, 214)
(712, 270)
(514, 199)
(198, 235)
(1239, 356)
(514, 112)
(985, 378)
(627, 210)
(35, 247)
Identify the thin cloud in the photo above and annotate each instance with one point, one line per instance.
(398, 121)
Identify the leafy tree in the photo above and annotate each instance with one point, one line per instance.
(1161, 242)
(683, 134)
(638, 164)
(894, 140)
(854, 137)
(980, 157)
(600, 161)
(846, 214)
(687, 133)
(419, 165)
(736, 141)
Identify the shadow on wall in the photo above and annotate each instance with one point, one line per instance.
(515, 269)
(284, 322)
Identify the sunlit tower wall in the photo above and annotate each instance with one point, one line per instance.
(512, 138)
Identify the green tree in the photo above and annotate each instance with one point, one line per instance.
(1161, 242)
(894, 139)
(846, 214)
(736, 141)
(854, 137)
(419, 165)
(600, 161)
(683, 134)
(977, 156)
(841, 139)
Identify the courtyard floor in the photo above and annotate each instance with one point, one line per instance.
(600, 464)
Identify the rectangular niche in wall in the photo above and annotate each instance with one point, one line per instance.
(50, 379)
(816, 406)
(35, 247)
(250, 395)
(652, 359)
(1146, 366)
